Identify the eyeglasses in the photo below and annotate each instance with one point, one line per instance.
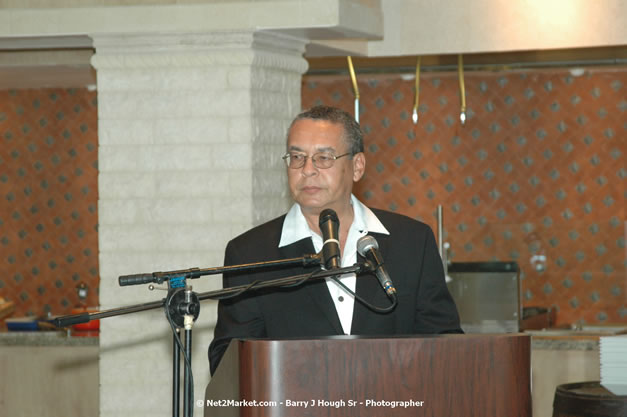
(321, 160)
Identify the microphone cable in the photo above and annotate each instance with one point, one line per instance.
(253, 285)
(364, 302)
(305, 277)
(177, 338)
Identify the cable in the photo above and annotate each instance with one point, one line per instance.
(364, 302)
(301, 281)
(177, 338)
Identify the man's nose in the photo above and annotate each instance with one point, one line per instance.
(309, 168)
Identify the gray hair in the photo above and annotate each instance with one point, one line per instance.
(352, 132)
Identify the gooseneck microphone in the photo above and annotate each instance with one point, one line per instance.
(368, 247)
(329, 226)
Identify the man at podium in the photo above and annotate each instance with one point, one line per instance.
(324, 158)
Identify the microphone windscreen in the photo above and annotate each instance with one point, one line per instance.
(326, 215)
(365, 243)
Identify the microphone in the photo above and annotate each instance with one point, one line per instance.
(368, 247)
(329, 226)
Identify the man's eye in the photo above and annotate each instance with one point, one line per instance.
(297, 157)
(323, 157)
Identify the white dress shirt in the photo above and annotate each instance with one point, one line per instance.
(296, 228)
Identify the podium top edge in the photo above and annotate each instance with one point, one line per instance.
(382, 338)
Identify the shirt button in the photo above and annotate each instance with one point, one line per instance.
(340, 298)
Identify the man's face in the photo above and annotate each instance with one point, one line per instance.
(316, 189)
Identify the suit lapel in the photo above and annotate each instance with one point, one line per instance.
(317, 289)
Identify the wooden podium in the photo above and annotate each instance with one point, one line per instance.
(443, 376)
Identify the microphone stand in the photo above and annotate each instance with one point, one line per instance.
(159, 277)
(182, 307)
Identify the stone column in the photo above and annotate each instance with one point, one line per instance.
(191, 130)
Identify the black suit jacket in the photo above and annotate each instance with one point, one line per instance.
(410, 253)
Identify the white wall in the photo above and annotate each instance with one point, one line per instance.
(426, 27)
(191, 131)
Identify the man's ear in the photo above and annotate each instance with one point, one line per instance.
(359, 166)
